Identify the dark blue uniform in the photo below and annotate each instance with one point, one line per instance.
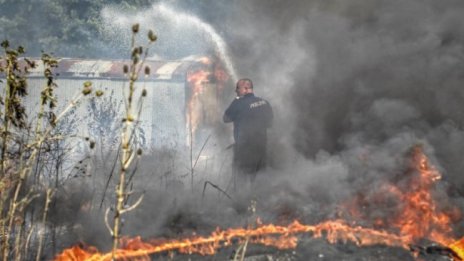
(252, 116)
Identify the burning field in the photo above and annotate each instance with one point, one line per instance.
(420, 228)
(365, 153)
(364, 156)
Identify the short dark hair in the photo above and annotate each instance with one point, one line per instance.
(244, 80)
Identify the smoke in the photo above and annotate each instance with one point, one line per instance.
(354, 85)
(348, 75)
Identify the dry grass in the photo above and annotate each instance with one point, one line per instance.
(26, 193)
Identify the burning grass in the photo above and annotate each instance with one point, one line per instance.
(281, 237)
(419, 218)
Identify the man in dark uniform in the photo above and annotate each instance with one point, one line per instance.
(252, 116)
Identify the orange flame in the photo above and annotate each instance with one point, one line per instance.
(458, 248)
(282, 237)
(419, 218)
(196, 81)
(206, 82)
(418, 215)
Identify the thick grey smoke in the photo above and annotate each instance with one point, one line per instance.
(354, 86)
(347, 75)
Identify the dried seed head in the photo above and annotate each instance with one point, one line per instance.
(147, 70)
(139, 152)
(48, 73)
(135, 28)
(52, 119)
(5, 44)
(21, 50)
(144, 92)
(86, 90)
(87, 84)
(92, 144)
(152, 36)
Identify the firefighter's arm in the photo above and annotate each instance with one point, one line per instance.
(229, 114)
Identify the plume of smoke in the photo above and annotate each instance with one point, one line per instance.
(346, 75)
(353, 84)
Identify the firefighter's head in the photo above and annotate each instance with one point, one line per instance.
(244, 86)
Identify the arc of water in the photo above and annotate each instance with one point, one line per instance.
(220, 45)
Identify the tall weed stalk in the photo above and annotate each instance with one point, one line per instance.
(129, 150)
(21, 148)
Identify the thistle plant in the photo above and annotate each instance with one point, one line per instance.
(21, 149)
(15, 89)
(13, 118)
(132, 113)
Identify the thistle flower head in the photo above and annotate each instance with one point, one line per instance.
(135, 28)
(152, 36)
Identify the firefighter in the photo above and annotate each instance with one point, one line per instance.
(251, 117)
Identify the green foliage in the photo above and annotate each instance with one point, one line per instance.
(65, 28)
